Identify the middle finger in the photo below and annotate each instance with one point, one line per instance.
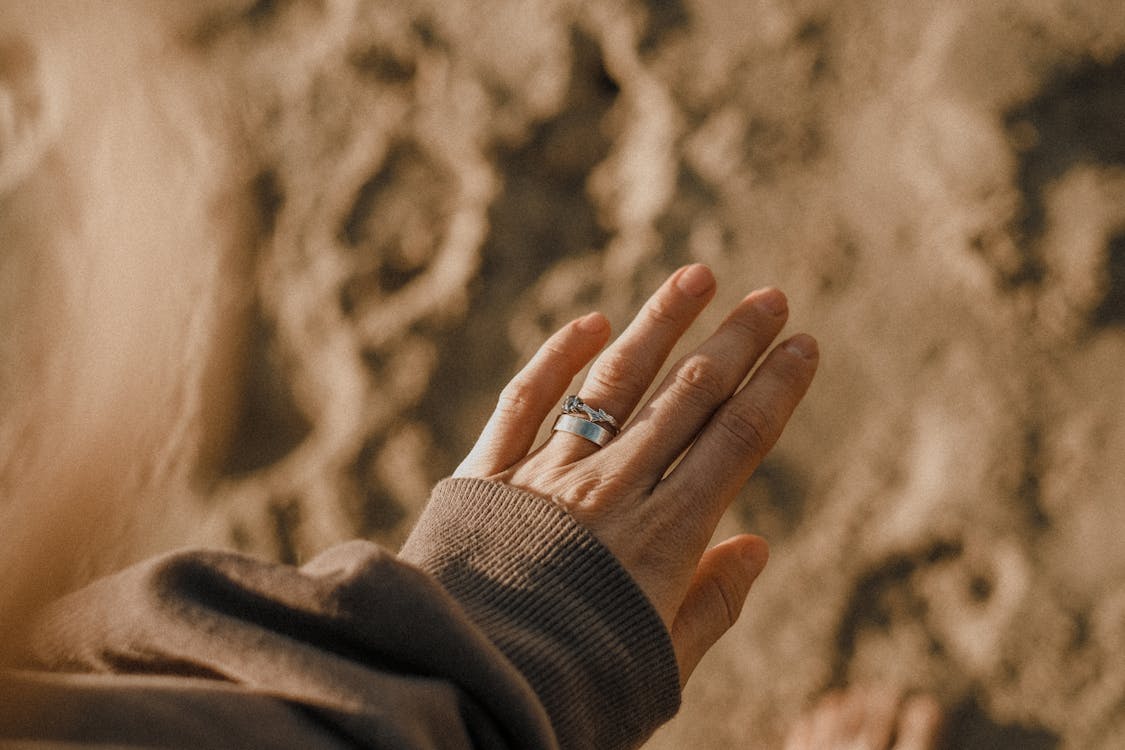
(701, 382)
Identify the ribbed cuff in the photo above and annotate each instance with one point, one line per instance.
(558, 604)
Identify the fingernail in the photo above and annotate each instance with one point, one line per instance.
(696, 280)
(595, 322)
(771, 301)
(803, 345)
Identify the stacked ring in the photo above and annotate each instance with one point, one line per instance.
(592, 431)
(580, 419)
(578, 407)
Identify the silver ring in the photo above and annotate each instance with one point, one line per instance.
(575, 405)
(592, 431)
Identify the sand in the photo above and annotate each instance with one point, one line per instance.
(938, 187)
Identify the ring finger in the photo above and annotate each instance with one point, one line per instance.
(622, 374)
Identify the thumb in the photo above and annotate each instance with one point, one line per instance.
(715, 598)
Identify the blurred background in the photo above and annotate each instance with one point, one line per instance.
(264, 267)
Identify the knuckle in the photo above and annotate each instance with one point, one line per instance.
(617, 373)
(751, 429)
(660, 313)
(748, 326)
(727, 598)
(590, 498)
(554, 350)
(696, 379)
(516, 397)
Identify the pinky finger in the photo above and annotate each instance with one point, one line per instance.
(531, 395)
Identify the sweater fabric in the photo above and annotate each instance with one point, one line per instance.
(502, 623)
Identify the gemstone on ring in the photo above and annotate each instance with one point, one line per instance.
(576, 406)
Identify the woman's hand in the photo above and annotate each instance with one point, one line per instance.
(657, 516)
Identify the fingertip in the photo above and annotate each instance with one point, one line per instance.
(921, 721)
(770, 300)
(804, 346)
(755, 553)
(695, 280)
(593, 323)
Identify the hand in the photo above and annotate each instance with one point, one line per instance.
(658, 522)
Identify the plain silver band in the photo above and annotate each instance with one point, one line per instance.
(595, 433)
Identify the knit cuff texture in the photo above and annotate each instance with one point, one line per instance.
(558, 604)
